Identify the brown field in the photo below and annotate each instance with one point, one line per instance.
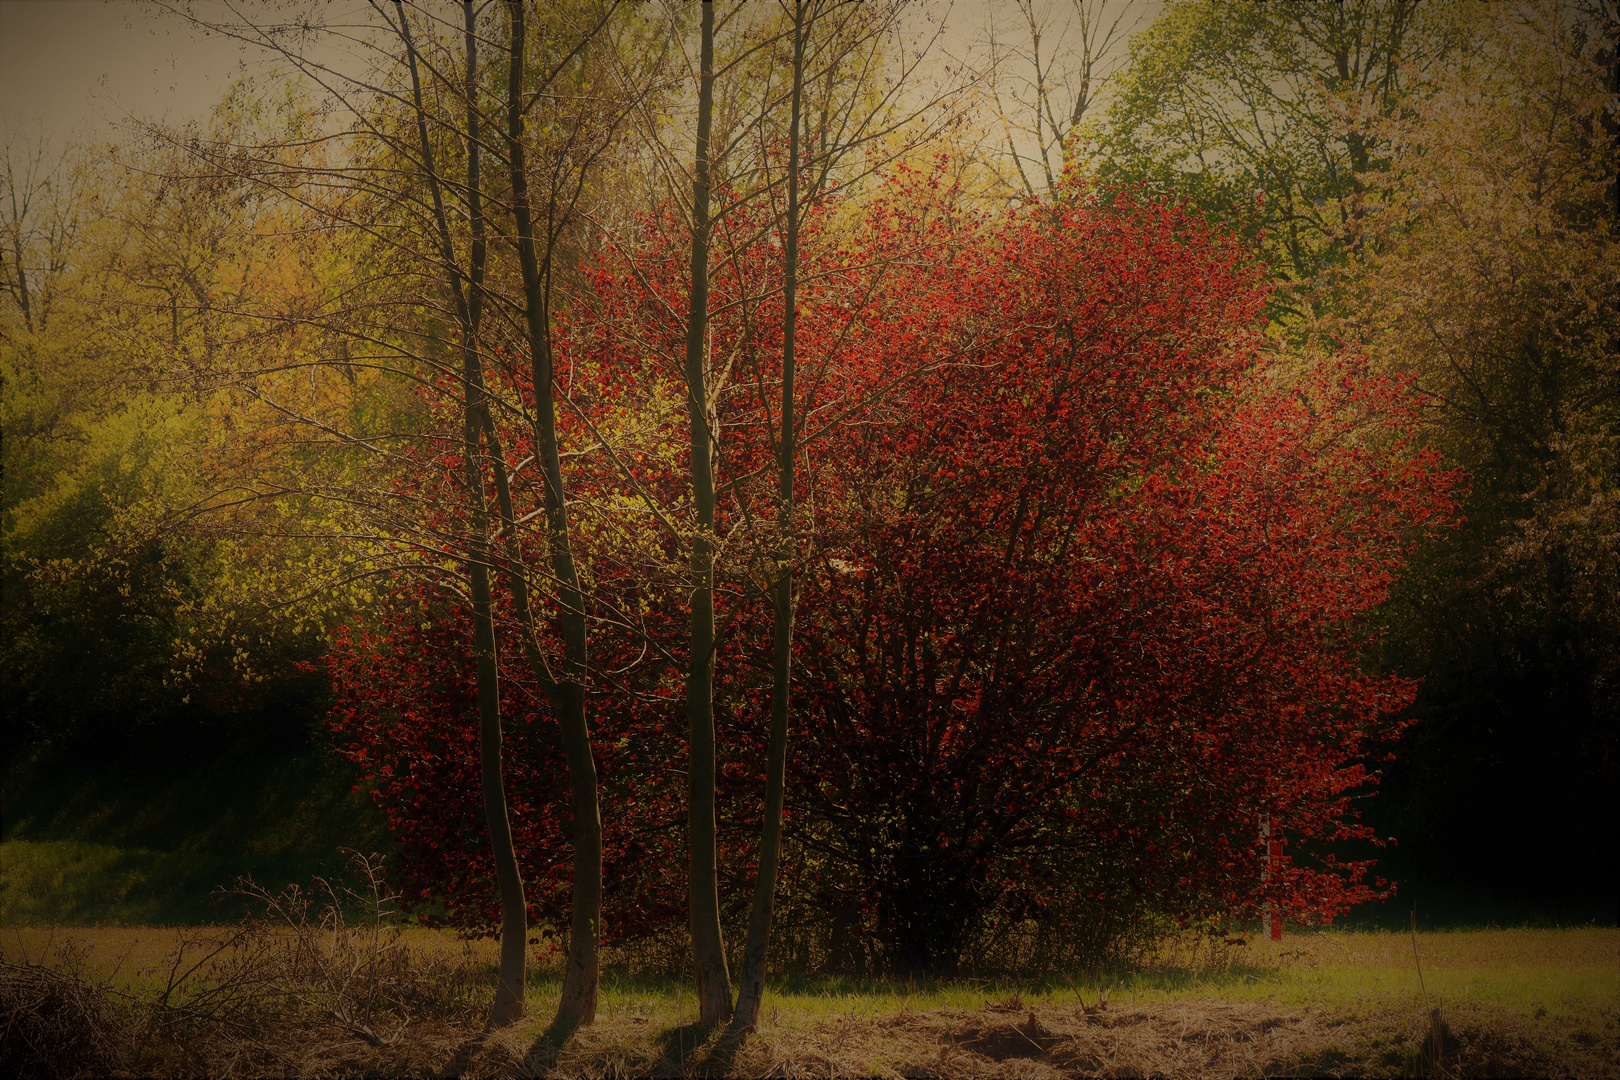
(1512, 1002)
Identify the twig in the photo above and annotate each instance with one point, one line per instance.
(1421, 986)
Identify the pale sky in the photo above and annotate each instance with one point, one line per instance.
(78, 68)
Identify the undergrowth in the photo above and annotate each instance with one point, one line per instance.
(296, 988)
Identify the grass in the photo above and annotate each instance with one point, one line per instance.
(88, 846)
(1570, 972)
(74, 883)
(1538, 1001)
(1574, 970)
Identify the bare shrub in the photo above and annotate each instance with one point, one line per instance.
(310, 969)
(358, 973)
(56, 1023)
(313, 983)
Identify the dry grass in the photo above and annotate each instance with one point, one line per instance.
(1189, 1038)
(313, 986)
(1514, 1002)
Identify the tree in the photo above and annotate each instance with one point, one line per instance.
(1093, 616)
(1264, 115)
(708, 947)
(751, 988)
(1041, 99)
(408, 136)
(407, 188)
(1380, 224)
(134, 631)
(839, 51)
(1487, 274)
(578, 1003)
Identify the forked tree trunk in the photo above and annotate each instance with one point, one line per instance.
(581, 974)
(509, 994)
(708, 944)
(751, 985)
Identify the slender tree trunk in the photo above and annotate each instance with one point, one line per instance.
(751, 987)
(509, 994)
(708, 944)
(581, 974)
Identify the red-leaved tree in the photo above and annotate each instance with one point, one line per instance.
(1083, 603)
(1091, 605)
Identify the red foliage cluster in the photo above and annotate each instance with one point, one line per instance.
(1081, 604)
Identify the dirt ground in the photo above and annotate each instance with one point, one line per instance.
(1198, 1038)
(1189, 1039)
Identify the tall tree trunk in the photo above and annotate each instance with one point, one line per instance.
(509, 994)
(582, 972)
(708, 944)
(511, 991)
(751, 986)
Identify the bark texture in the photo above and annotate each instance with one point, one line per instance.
(751, 985)
(581, 973)
(708, 944)
(467, 297)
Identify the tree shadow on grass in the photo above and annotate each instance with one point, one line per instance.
(724, 1053)
(699, 1050)
(465, 1055)
(547, 1049)
(680, 1045)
